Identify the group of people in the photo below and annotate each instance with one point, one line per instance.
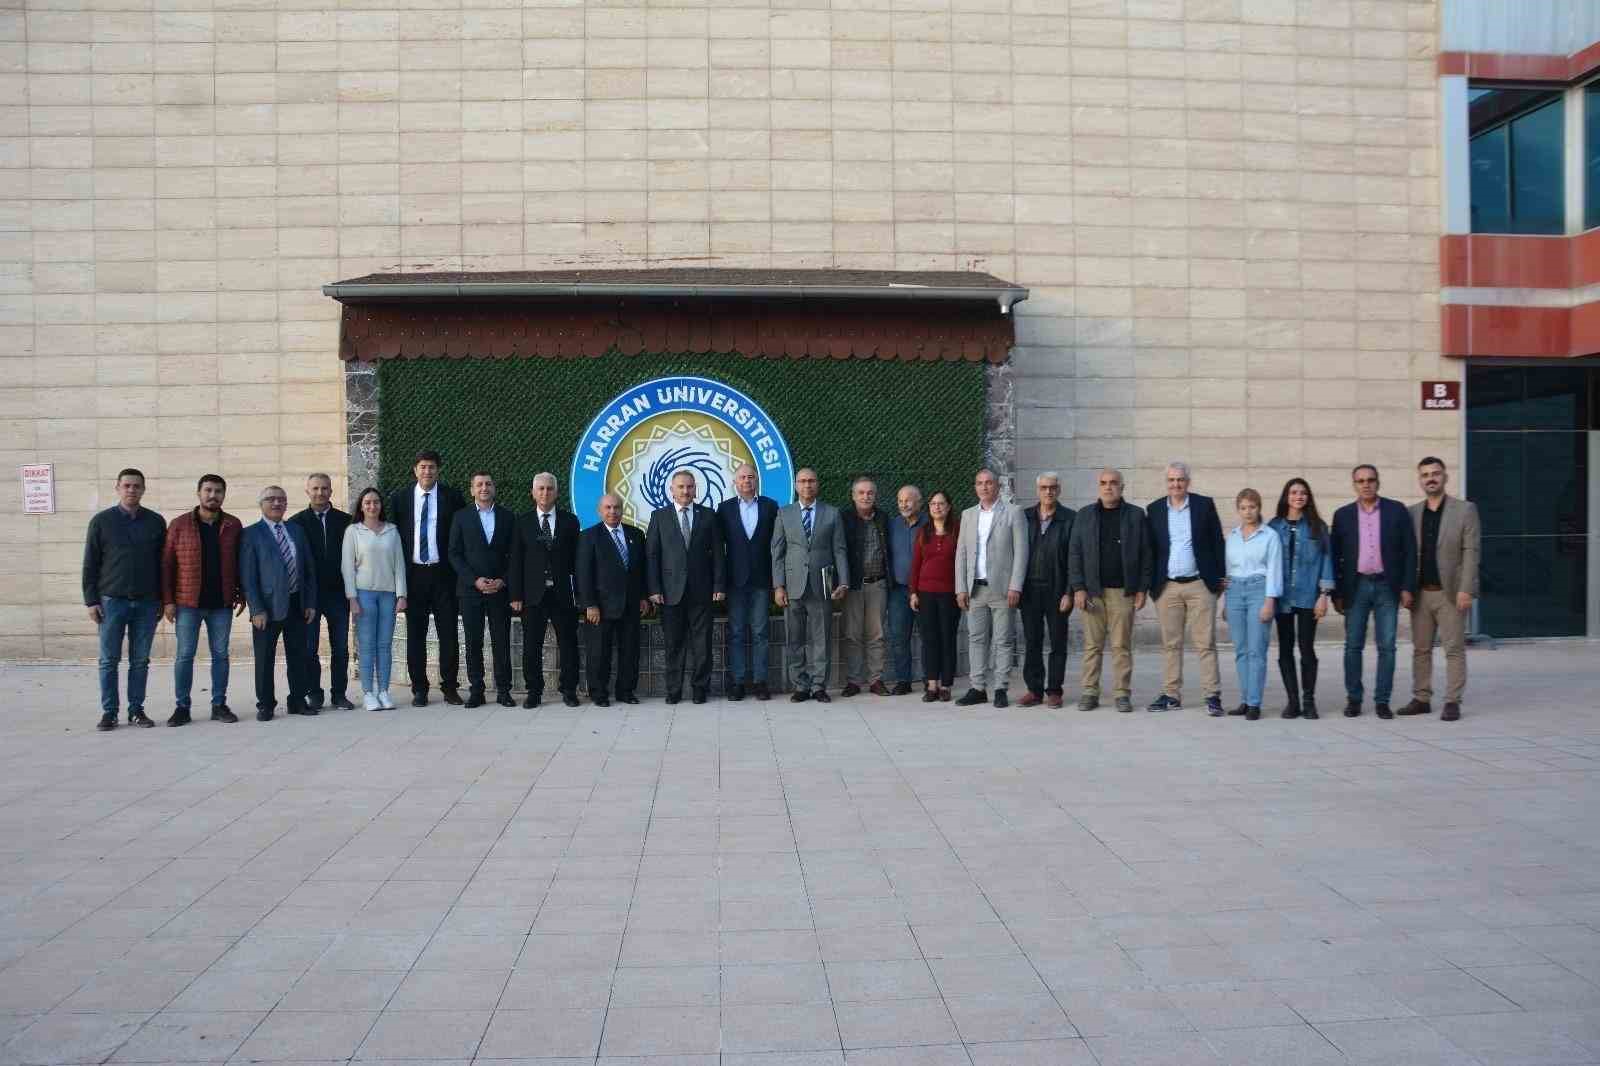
(430, 553)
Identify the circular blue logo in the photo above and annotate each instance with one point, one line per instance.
(653, 430)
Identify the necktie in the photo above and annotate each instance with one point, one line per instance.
(545, 531)
(287, 551)
(683, 520)
(622, 544)
(805, 520)
(422, 531)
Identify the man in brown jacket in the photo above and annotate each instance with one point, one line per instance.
(199, 583)
(1447, 582)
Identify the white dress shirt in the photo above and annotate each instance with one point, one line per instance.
(750, 515)
(985, 524)
(1180, 536)
(1259, 556)
(486, 519)
(433, 524)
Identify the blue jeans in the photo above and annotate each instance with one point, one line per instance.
(747, 621)
(900, 619)
(375, 638)
(336, 615)
(1250, 636)
(1372, 598)
(219, 622)
(135, 620)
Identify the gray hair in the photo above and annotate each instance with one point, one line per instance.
(1112, 470)
(545, 475)
(1180, 466)
(1048, 475)
(859, 480)
(911, 489)
(320, 474)
(261, 497)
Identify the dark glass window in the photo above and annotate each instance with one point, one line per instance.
(1591, 152)
(1516, 160)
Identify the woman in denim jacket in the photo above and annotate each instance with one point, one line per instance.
(1307, 582)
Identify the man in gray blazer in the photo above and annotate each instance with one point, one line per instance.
(279, 575)
(991, 571)
(1447, 551)
(808, 553)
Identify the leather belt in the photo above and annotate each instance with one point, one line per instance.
(1185, 580)
(980, 581)
(1433, 588)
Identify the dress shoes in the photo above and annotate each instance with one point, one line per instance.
(419, 699)
(1383, 710)
(314, 704)
(601, 701)
(763, 693)
(736, 692)
(821, 696)
(972, 697)
(699, 696)
(531, 700)
(1352, 709)
(877, 689)
(1239, 711)
(1452, 713)
(179, 717)
(1253, 714)
(930, 695)
(570, 699)
(264, 714)
(107, 723)
(1308, 709)
(629, 698)
(799, 695)
(1029, 700)
(1000, 698)
(901, 688)
(140, 719)
(1416, 707)
(343, 703)
(505, 700)
(674, 697)
(944, 695)
(304, 709)
(1052, 699)
(220, 713)
(850, 689)
(474, 699)
(452, 697)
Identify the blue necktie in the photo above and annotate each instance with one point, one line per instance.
(805, 521)
(622, 544)
(422, 530)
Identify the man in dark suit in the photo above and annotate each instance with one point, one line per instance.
(543, 555)
(1190, 559)
(1374, 549)
(611, 590)
(279, 575)
(423, 512)
(747, 520)
(480, 555)
(685, 573)
(324, 526)
(1046, 598)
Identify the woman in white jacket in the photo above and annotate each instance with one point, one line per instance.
(374, 568)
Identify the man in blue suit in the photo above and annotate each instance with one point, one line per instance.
(279, 574)
(747, 520)
(1374, 546)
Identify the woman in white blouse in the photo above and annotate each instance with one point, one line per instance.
(374, 568)
(1255, 581)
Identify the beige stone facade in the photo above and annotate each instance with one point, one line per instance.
(1227, 211)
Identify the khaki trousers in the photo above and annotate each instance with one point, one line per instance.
(1111, 616)
(1434, 612)
(1189, 609)
(863, 632)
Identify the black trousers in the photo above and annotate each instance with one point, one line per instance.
(1305, 621)
(612, 636)
(563, 618)
(940, 617)
(430, 590)
(686, 628)
(1040, 616)
(334, 611)
(264, 642)
(496, 610)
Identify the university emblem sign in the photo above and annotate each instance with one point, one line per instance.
(646, 434)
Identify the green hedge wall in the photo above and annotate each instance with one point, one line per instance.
(895, 422)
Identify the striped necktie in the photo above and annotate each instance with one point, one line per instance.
(622, 544)
(805, 521)
(286, 550)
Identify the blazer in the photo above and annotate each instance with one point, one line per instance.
(855, 543)
(1049, 549)
(1083, 551)
(796, 564)
(676, 571)
(1458, 548)
(1006, 554)
(329, 550)
(530, 555)
(1205, 530)
(264, 576)
(603, 581)
(400, 512)
(182, 560)
(1397, 541)
(749, 558)
(471, 556)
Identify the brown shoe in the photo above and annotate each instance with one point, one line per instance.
(852, 689)
(1452, 713)
(1416, 707)
(877, 689)
(1052, 699)
(1029, 700)
(944, 695)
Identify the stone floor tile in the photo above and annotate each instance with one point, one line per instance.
(915, 1055)
(661, 1031)
(290, 1035)
(1009, 1017)
(805, 982)
(553, 1032)
(894, 1023)
(188, 1036)
(669, 949)
(1340, 999)
(235, 990)
(1540, 987)
(1274, 1046)
(361, 952)
(1154, 1049)
(1073, 1052)
(559, 952)
(778, 1027)
(458, 951)
(1396, 1040)
(334, 990)
(449, 990)
(1118, 1011)
(67, 1037)
(426, 1034)
(1530, 1039)
(765, 1058)
(540, 989)
(869, 943)
(1438, 992)
(1231, 1005)
(137, 990)
(871, 981)
(666, 986)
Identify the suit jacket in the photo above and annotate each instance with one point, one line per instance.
(1083, 551)
(676, 571)
(1049, 549)
(855, 543)
(1458, 547)
(1205, 530)
(796, 564)
(1397, 541)
(329, 551)
(603, 581)
(1006, 553)
(402, 514)
(749, 558)
(472, 556)
(264, 576)
(530, 554)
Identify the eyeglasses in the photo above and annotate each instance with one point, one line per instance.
(1366, 481)
(274, 499)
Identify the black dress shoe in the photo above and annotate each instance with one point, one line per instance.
(179, 717)
(220, 713)
(140, 719)
(930, 695)
(699, 695)
(799, 695)
(901, 688)
(452, 697)
(419, 699)
(821, 696)
(1352, 709)
(1253, 714)
(629, 698)
(973, 697)
(1000, 698)
(570, 699)
(107, 723)
(473, 700)
(264, 715)
(530, 701)
(343, 703)
(1452, 713)
(1308, 708)
(314, 704)
(1416, 707)
(851, 689)
(601, 701)
(1239, 711)
(505, 700)
(674, 697)
(763, 693)
(1383, 710)
(304, 709)
(736, 692)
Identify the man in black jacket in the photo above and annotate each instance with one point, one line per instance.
(324, 526)
(611, 591)
(1190, 561)
(1046, 599)
(685, 573)
(1374, 549)
(423, 512)
(747, 519)
(866, 544)
(480, 554)
(1108, 570)
(543, 555)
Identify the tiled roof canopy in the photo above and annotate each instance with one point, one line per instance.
(799, 314)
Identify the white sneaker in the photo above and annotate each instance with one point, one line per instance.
(370, 702)
(385, 700)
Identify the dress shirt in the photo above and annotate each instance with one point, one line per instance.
(902, 542)
(1261, 555)
(280, 530)
(539, 519)
(750, 515)
(1428, 550)
(417, 496)
(1370, 558)
(486, 519)
(619, 540)
(985, 524)
(1180, 536)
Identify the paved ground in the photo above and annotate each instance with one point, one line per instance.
(875, 882)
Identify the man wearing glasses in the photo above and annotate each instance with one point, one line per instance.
(1375, 574)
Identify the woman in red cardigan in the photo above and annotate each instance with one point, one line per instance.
(933, 596)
